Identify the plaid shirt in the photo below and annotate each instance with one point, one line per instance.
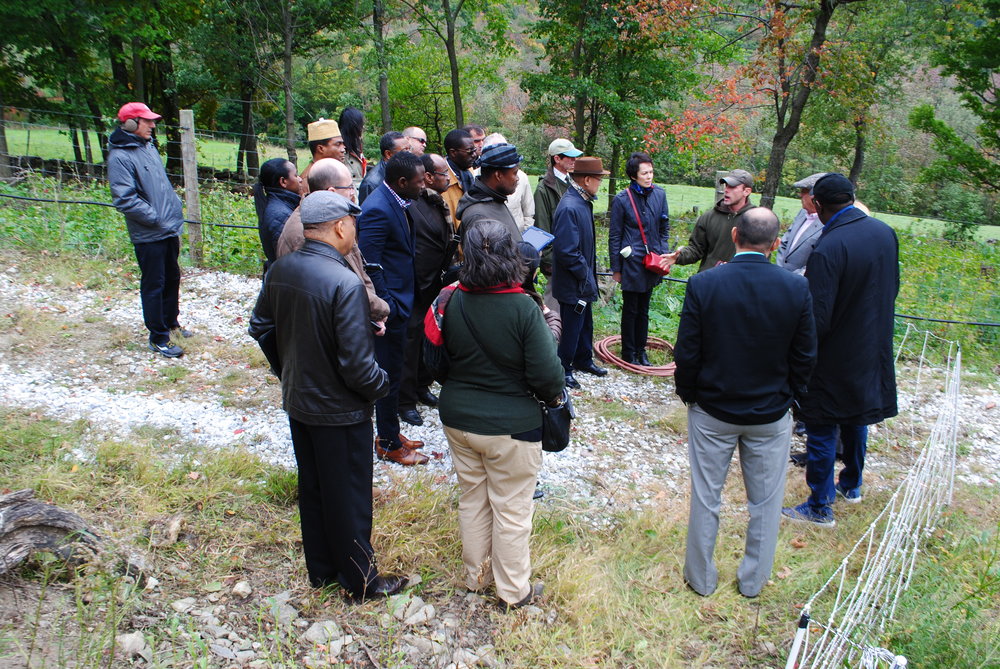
(402, 203)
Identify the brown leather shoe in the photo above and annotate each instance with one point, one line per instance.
(402, 455)
(410, 443)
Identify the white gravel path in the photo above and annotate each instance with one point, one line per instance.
(620, 457)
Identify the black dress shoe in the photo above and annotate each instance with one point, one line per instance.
(411, 416)
(382, 586)
(425, 396)
(593, 369)
(571, 382)
(643, 359)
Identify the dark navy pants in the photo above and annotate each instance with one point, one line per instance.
(335, 503)
(635, 322)
(390, 349)
(576, 346)
(159, 287)
(821, 456)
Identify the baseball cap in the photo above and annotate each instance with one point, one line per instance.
(503, 156)
(830, 186)
(564, 147)
(323, 205)
(809, 181)
(137, 110)
(738, 177)
(323, 129)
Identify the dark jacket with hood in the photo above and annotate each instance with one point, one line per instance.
(312, 321)
(140, 189)
(711, 240)
(482, 202)
(853, 276)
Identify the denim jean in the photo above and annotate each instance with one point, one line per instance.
(821, 452)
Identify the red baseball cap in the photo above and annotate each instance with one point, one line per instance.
(137, 110)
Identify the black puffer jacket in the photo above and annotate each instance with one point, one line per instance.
(313, 314)
(280, 205)
(140, 189)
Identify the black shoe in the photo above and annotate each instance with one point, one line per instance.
(799, 459)
(425, 396)
(539, 493)
(630, 358)
(167, 350)
(533, 595)
(643, 359)
(187, 334)
(382, 586)
(411, 416)
(591, 368)
(800, 428)
(571, 382)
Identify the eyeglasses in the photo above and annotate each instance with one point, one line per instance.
(441, 174)
(348, 187)
(422, 141)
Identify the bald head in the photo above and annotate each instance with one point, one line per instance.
(329, 173)
(417, 139)
(756, 230)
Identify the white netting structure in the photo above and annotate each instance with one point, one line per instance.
(843, 623)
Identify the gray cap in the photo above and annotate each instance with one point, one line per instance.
(809, 181)
(738, 177)
(323, 205)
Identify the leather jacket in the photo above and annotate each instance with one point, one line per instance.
(313, 324)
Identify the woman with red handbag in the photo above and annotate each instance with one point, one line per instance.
(639, 233)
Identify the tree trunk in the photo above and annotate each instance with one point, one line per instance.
(248, 139)
(613, 181)
(75, 138)
(95, 119)
(785, 132)
(288, 27)
(378, 23)
(162, 83)
(456, 91)
(860, 140)
(119, 72)
(5, 172)
(580, 101)
(138, 71)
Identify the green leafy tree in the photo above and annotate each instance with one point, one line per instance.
(969, 50)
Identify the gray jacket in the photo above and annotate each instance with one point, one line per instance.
(140, 189)
(794, 258)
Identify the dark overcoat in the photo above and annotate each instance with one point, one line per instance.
(574, 263)
(624, 231)
(853, 276)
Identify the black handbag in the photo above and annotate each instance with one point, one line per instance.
(556, 420)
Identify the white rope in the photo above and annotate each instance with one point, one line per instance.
(871, 581)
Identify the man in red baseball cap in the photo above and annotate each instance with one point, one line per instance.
(154, 216)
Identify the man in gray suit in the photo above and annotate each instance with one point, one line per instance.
(746, 347)
(802, 235)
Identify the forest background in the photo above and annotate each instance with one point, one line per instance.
(899, 94)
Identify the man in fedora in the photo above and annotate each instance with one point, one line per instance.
(154, 216)
(325, 141)
(574, 268)
(711, 241)
(487, 198)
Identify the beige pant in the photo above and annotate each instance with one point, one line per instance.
(496, 475)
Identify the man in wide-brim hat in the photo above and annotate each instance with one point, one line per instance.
(574, 267)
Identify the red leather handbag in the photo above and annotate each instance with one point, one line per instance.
(650, 261)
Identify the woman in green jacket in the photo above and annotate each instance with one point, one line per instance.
(502, 357)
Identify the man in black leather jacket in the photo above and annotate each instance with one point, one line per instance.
(313, 324)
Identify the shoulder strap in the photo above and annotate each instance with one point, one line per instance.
(638, 219)
(475, 339)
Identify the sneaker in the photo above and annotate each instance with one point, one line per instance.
(803, 513)
(187, 334)
(852, 496)
(167, 350)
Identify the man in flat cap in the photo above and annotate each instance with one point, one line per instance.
(313, 324)
(803, 234)
(574, 268)
(711, 241)
(325, 141)
(154, 216)
(853, 277)
(487, 198)
(550, 189)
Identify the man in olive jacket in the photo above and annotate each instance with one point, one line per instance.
(548, 192)
(313, 324)
(853, 276)
(154, 216)
(711, 241)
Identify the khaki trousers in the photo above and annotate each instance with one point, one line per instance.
(496, 476)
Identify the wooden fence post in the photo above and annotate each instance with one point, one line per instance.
(192, 198)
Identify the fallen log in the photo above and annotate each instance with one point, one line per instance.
(28, 526)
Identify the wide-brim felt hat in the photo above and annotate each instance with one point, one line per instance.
(589, 166)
